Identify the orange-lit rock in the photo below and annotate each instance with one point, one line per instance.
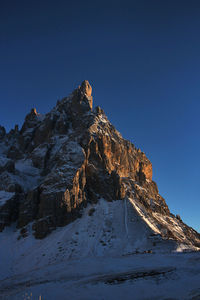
(74, 156)
(86, 88)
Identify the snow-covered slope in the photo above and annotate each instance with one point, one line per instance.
(109, 251)
(106, 229)
(111, 229)
(138, 277)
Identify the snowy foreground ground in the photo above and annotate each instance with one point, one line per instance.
(108, 254)
(134, 277)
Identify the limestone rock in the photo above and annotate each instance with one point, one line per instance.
(58, 163)
(86, 88)
(82, 97)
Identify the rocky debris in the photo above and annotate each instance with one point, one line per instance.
(58, 163)
(23, 233)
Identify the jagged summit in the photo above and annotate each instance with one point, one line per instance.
(86, 88)
(82, 96)
(72, 157)
(79, 102)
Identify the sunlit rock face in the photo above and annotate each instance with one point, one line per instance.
(86, 88)
(59, 162)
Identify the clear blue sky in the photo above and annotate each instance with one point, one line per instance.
(142, 59)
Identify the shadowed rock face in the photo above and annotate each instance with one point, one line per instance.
(58, 163)
(2, 132)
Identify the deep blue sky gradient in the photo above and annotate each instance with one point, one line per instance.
(142, 59)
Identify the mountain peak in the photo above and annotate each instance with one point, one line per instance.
(83, 96)
(86, 88)
(59, 163)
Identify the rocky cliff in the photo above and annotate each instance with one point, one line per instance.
(59, 162)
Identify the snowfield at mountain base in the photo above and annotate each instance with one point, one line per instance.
(108, 253)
